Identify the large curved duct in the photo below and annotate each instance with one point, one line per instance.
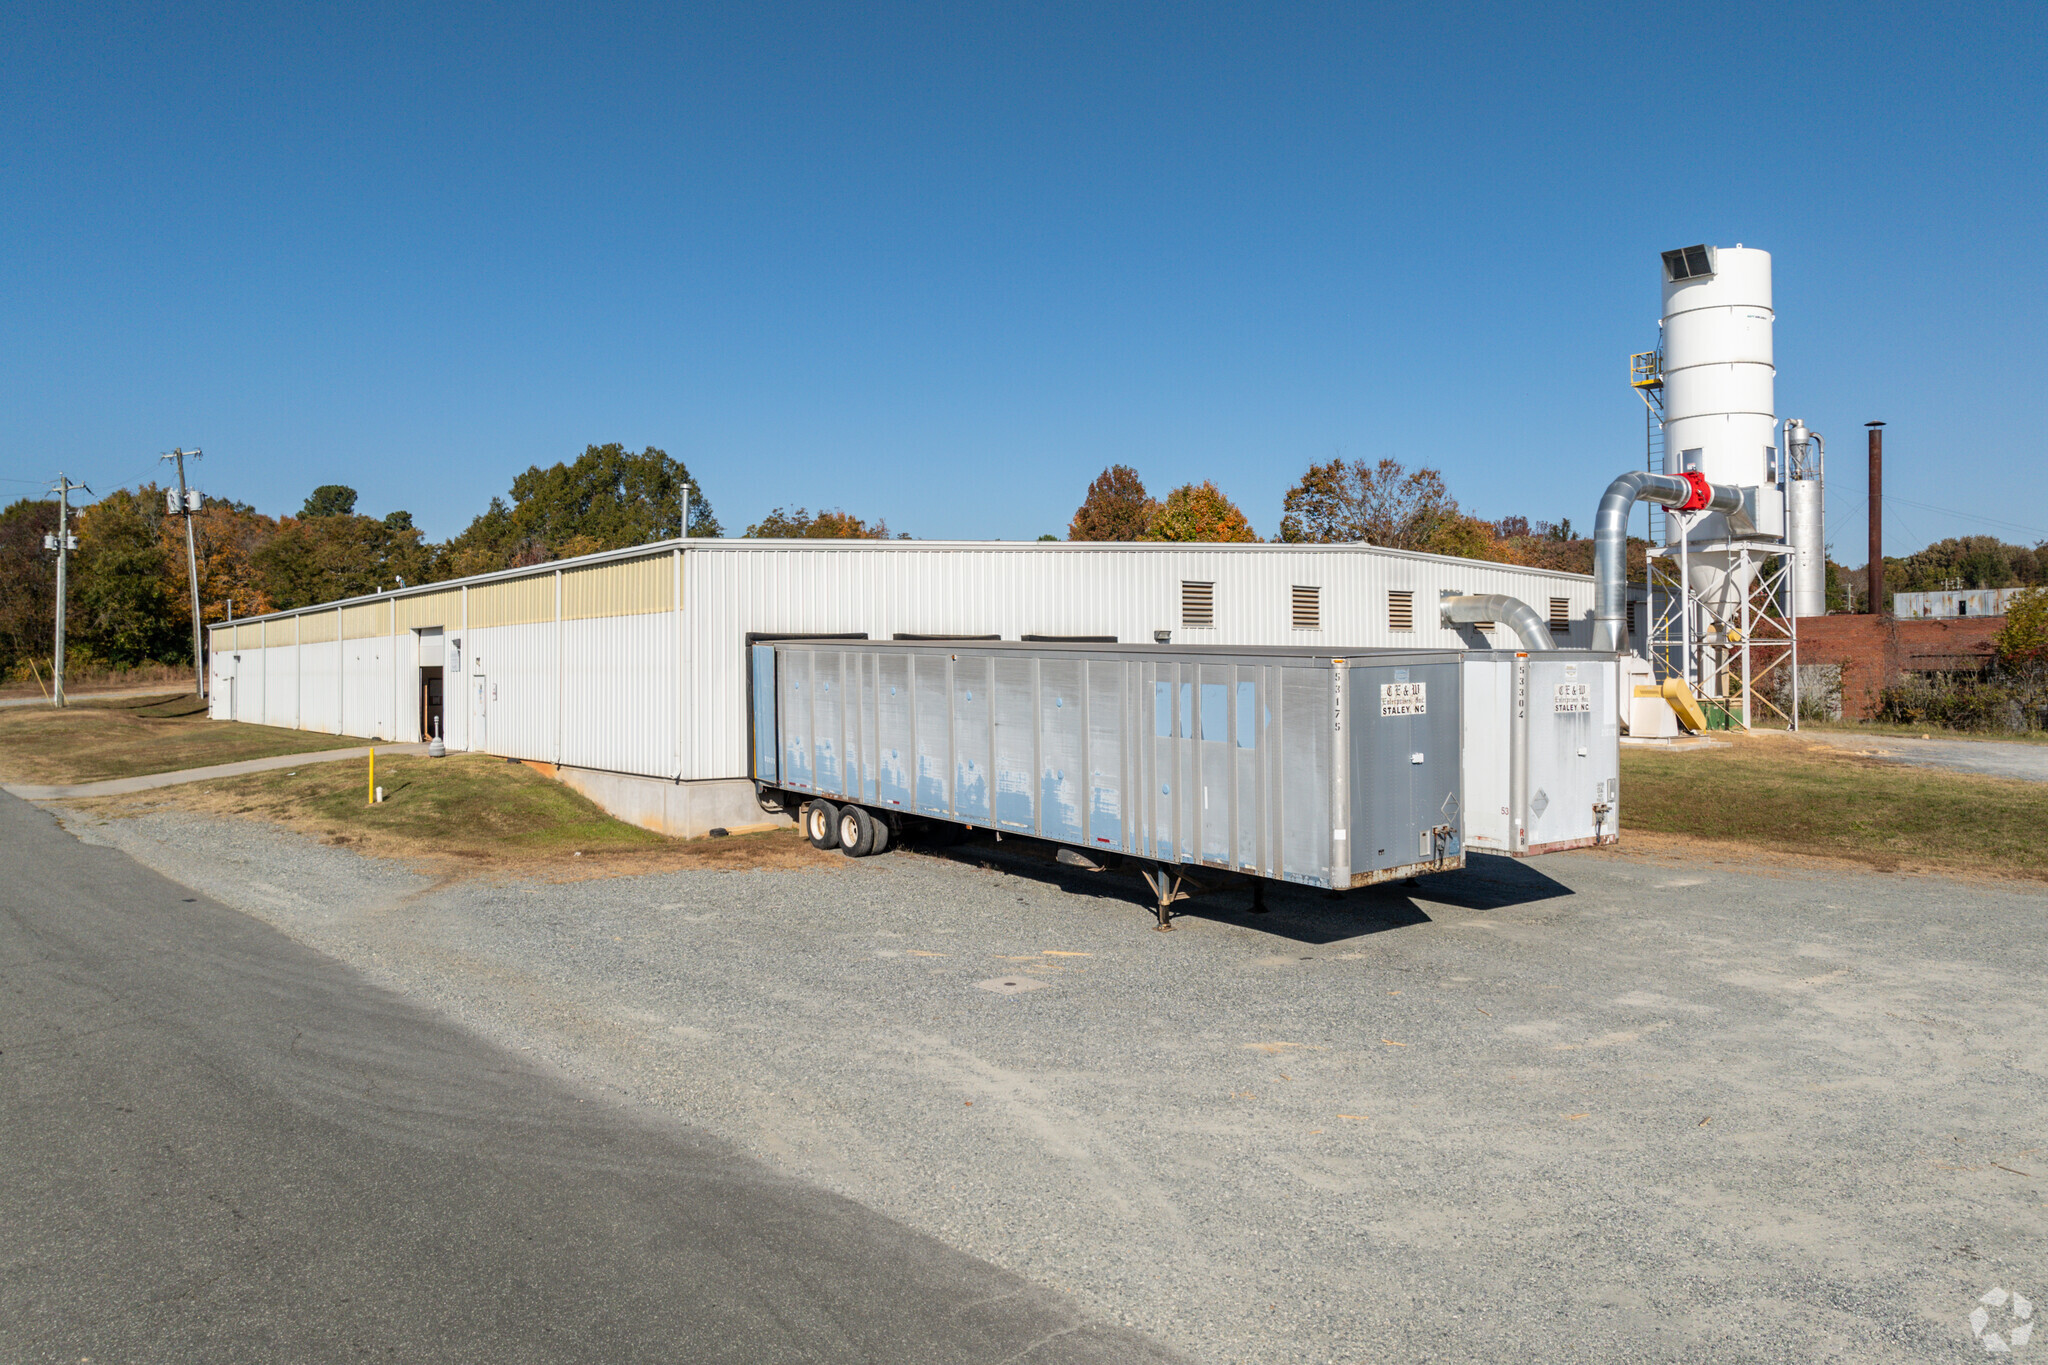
(1686, 492)
(1478, 609)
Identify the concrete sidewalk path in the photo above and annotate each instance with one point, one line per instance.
(121, 786)
(1986, 757)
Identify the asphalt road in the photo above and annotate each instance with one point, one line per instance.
(217, 1144)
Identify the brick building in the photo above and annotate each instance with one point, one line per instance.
(1872, 650)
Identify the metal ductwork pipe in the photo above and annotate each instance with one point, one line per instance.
(1485, 608)
(1688, 492)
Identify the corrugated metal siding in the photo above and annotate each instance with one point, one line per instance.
(282, 631)
(366, 687)
(405, 697)
(281, 682)
(1013, 591)
(320, 682)
(220, 701)
(362, 622)
(519, 665)
(249, 637)
(619, 687)
(520, 602)
(632, 588)
(318, 627)
(430, 609)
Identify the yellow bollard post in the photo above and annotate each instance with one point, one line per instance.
(372, 794)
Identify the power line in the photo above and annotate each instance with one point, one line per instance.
(1970, 516)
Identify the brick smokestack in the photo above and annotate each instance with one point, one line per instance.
(1877, 603)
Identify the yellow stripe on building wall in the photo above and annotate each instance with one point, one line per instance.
(283, 631)
(520, 602)
(317, 627)
(249, 637)
(633, 587)
(365, 621)
(430, 609)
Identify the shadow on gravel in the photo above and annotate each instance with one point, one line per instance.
(1302, 914)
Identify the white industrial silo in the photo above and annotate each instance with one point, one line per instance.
(1720, 405)
(1805, 517)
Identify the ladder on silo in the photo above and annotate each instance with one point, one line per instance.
(1646, 377)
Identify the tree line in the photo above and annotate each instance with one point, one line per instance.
(129, 603)
(1349, 502)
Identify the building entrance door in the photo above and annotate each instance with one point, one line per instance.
(430, 702)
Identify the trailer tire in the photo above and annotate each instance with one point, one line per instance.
(882, 835)
(856, 831)
(821, 825)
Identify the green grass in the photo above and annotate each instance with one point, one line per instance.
(465, 806)
(1799, 798)
(130, 736)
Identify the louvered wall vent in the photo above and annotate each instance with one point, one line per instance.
(1308, 608)
(1197, 605)
(1400, 609)
(1560, 613)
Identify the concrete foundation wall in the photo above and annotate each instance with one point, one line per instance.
(681, 810)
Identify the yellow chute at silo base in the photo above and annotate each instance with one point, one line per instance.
(1674, 690)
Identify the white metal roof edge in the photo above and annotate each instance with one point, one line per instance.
(744, 543)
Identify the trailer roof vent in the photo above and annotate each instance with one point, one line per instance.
(1197, 605)
(1400, 609)
(1308, 608)
(1688, 263)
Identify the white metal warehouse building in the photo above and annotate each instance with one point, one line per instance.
(627, 670)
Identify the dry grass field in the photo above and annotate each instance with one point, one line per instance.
(90, 740)
(466, 813)
(1775, 792)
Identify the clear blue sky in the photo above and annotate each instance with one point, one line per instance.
(942, 264)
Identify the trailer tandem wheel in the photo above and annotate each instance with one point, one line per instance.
(821, 825)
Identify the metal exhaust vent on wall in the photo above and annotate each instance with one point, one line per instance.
(1197, 605)
(1400, 609)
(1308, 608)
(1688, 263)
(1560, 613)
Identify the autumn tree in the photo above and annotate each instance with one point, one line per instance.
(1199, 512)
(126, 607)
(607, 499)
(784, 524)
(1116, 508)
(227, 536)
(2023, 640)
(323, 558)
(28, 584)
(1352, 502)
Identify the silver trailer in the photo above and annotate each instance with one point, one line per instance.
(1542, 750)
(1291, 764)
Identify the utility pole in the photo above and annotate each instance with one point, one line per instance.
(187, 504)
(63, 543)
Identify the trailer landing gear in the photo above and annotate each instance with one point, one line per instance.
(1166, 889)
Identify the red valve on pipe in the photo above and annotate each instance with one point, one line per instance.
(1702, 491)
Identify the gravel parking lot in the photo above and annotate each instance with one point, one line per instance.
(1586, 1108)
